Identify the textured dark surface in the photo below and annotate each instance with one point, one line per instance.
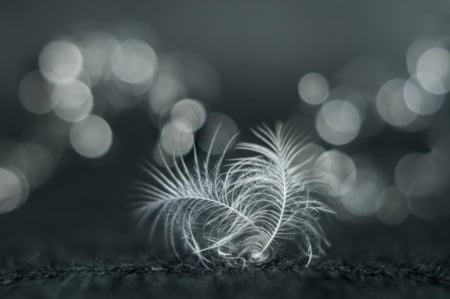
(140, 278)
(405, 262)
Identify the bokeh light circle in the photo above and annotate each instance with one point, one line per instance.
(419, 100)
(60, 61)
(188, 115)
(338, 122)
(313, 88)
(433, 70)
(72, 101)
(137, 62)
(92, 137)
(13, 189)
(176, 142)
(391, 104)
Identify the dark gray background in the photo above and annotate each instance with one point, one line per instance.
(260, 49)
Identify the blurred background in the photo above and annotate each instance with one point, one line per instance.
(90, 89)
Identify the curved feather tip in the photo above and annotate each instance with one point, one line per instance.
(241, 213)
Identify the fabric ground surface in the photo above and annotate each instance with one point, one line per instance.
(377, 266)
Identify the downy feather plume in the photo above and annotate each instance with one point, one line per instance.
(243, 212)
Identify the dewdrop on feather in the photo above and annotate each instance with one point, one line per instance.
(240, 213)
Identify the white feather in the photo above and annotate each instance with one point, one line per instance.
(243, 214)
